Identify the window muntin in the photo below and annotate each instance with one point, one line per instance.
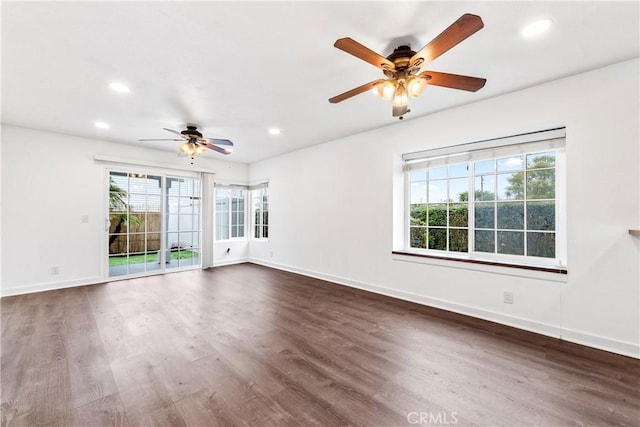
(502, 206)
(260, 212)
(230, 213)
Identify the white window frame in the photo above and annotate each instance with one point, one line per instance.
(549, 140)
(254, 189)
(246, 198)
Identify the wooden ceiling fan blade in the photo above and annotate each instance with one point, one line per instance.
(353, 92)
(174, 131)
(360, 51)
(464, 27)
(216, 148)
(454, 81)
(217, 141)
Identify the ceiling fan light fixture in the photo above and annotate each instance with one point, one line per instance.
(416, 86)
(400, 98)
(186, 148)
(386, 89)
(200, 149)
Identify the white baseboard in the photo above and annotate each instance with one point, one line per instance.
(51, 286)
(607, 344)
(229, 262)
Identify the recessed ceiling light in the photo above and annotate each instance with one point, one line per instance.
(102, 125)
(274, 131)
(119, 87)
(537, 27)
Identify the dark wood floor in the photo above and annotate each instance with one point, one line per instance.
(248, 345)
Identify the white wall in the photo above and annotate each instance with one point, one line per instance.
(49, 181)
(332, 208)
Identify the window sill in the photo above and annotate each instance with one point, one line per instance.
(527, 270)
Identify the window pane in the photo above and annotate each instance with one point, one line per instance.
(265, 231)
(458, 215)
(485, 166)
(118, 243)
(418, 175)
(438, 173)
(172, 240)
(222, 232)
(511, 242)
(154, 185)
(419, 192)
(541, 245)
(459, 240)
(484, 241)
(418, 215)
(187, 223)
(541, 215)
(485, 215)
(418, 238)
(186, 205)
(153, 242)
(458, 190)
(437, 191)
(137, 242)
(438, 239)
(541, 160)
(438, 215)
(154, 203)
(186, 241)
(195, 257)
(137, 185)
(511, 186)
(511, 163)
(458, 170)
(511, 215)
(541, 184)
(485, 187)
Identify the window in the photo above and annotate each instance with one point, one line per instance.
(497, 199)
(230, 211)
(260, 211)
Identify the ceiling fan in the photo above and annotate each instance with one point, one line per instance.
(194, 144)
(403, 65)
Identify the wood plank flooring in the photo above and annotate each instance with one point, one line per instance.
(248, 345)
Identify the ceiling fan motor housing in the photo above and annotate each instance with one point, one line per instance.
(401, 58)
(191, 132)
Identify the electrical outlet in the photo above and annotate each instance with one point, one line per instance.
(55, 270)
(271, 254)
(507, 297)
(84, 219)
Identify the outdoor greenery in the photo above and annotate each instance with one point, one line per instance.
(118, 209)
(152, 257)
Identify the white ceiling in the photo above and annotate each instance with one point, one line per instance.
(238, 68)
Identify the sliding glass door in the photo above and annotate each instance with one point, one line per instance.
(154, 223)
(183, 221)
